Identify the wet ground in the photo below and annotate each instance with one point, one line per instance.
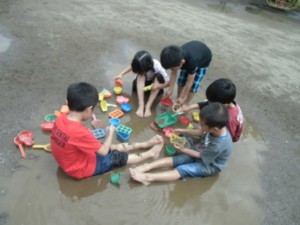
(47, 45)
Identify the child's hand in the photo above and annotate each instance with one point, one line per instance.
(185, 108)
(179, 148)
(168, 94)
(112, 128)
(155, 86)
(118, 77)
(180, 101)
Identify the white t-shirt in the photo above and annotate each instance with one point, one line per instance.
(158, 69)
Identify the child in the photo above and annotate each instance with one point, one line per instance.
(209, 159)
(193, 59)
(223, 91)
(78, 152)
(148, 72)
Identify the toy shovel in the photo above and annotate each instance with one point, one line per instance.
(46, 147)
(166, 119)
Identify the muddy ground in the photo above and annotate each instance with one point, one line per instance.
(47, 45)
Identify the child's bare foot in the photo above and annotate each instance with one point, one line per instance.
(139, 177)
(142, 168)
(157, 139)
(147, 112)
(140, 111)
(156, 149)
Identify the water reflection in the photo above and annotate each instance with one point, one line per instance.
(78, 189)
(183, 193)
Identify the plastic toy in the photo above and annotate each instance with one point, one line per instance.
(105, 93)
(47, 126)
(117, 90)
(115, 179)
(121, 99)
(96, 124)
(119, 83)
(20, 146)
(50, 118)
(177, 108)
(190, 126)
(166, 119)
(46, 147)
(124, 129)
(98, 133)
(103, 106)
(177, 140)
(168, 131)
(166, 102)
(117, 113)
(126, 107)
(101, 96)
(64, 109)
(123, 137)
(148, 88)
(26, 137)
(170, 150)
(184, 120)
(196, 116)
(154, 126)
(114, 122)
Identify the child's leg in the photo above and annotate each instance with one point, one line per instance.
(140, 83)
(151, 153)
(181, 81)
(196, 84)
(158, 80)
(160, 163)
(126, 147)
(148, 178)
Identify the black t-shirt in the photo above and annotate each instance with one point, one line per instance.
(196, 55)
(201, 105)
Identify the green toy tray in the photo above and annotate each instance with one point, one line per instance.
(166, 119)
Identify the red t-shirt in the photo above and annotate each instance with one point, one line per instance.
(74, 147)
(236, 122)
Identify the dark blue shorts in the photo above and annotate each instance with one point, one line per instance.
(198, 78)
(112, 160)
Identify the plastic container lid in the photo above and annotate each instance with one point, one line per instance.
(115, 179)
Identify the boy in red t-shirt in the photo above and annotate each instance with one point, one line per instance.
(78, 152)
(223, 91)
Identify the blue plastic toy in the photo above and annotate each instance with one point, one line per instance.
(98, 133)
(114, 121)
(126, 107)
(123, 137)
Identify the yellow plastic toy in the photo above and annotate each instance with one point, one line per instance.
(148, 88)
(196, 116)
(177, 140)
(190, 126)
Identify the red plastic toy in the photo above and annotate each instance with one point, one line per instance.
(184, 120)
(47, 126)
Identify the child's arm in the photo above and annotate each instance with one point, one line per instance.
(172, 82)
(125, 71)
(186, 89)
(192, 132)
(160, 86)
(190, 152)
(107, 143)
(186, 108)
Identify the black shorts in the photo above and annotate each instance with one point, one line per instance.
(112, 160)
(160, 80)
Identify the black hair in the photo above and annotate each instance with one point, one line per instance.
(214, 115)
(171, 56)
(142, 62)
(81, 96)
(221, 90)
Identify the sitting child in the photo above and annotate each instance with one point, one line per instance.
(148, 72)
(208, 159)
(223, 91)
(78, 152)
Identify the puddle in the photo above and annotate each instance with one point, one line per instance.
(4, 43)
